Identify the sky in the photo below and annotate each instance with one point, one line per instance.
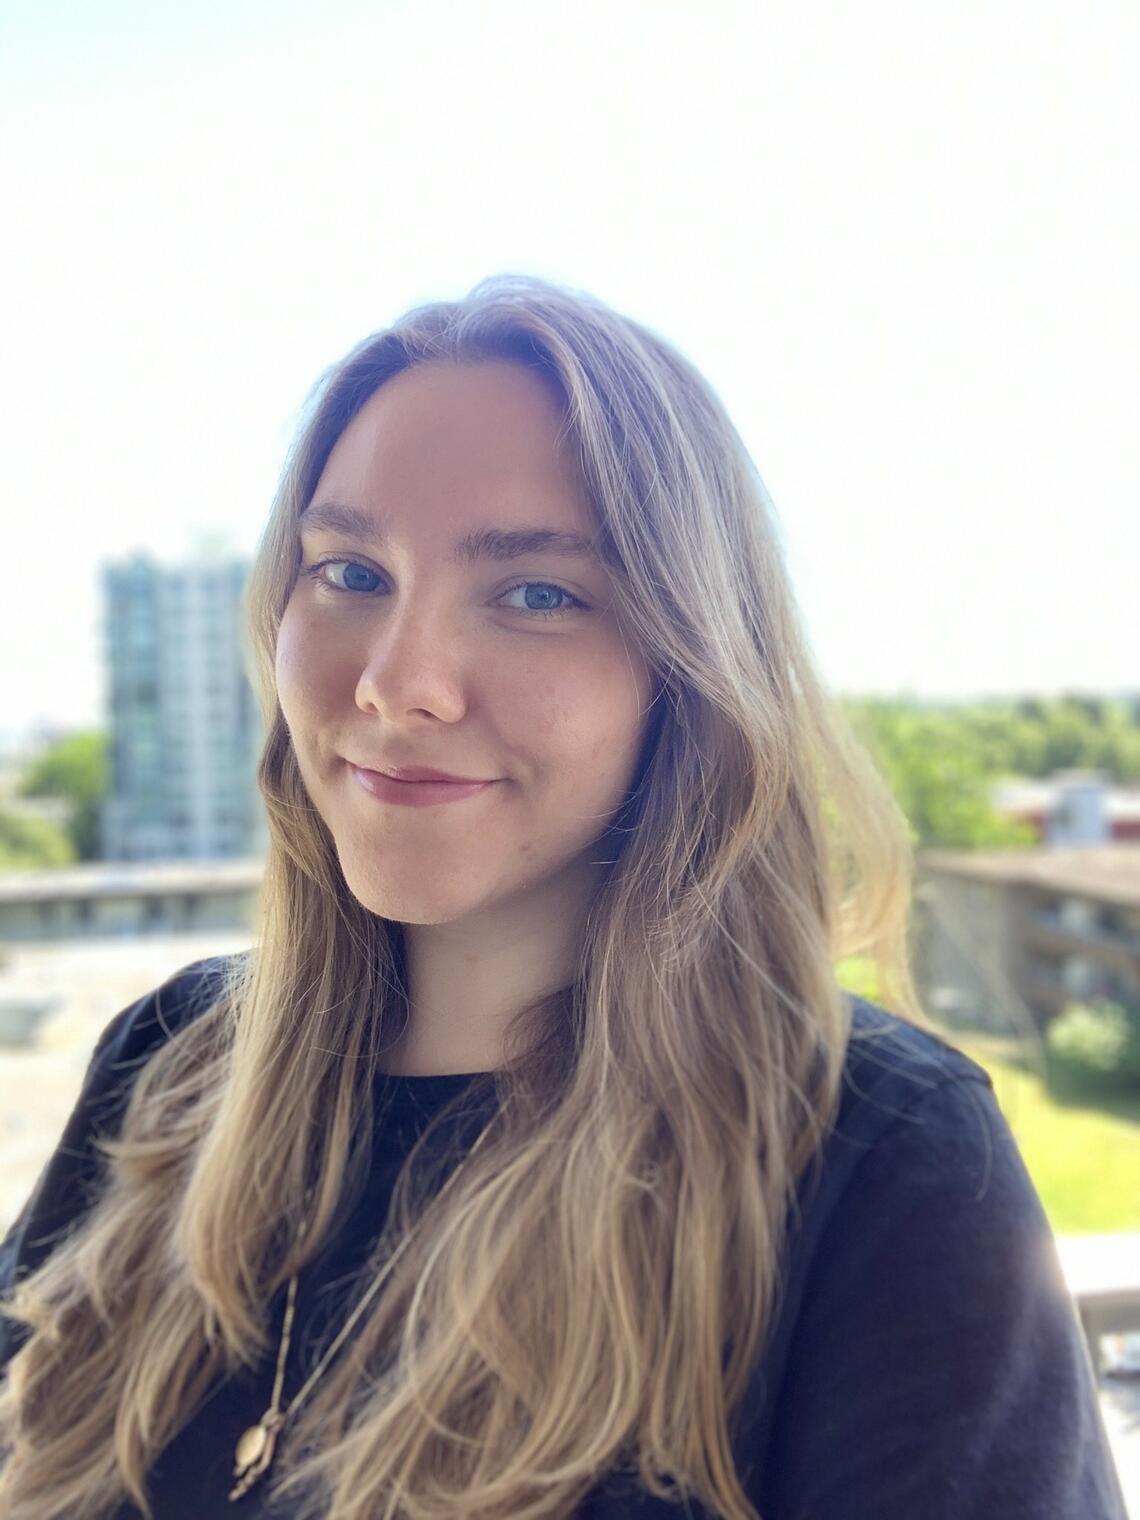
(900, 240)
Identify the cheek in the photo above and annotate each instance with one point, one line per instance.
(287, 664)
(587, 717)
(567, 711)
(539, 707)
(301, 678)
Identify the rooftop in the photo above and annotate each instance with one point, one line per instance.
(113, 878)
(1107, 872)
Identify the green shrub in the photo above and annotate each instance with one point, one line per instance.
(1096, 1044)
(28, 843)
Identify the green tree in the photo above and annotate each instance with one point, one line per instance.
(77, 768)
(942, 759)
(1117, 751)
(1073, 730)
(29, 844)
(940, 773)
(1070, 735)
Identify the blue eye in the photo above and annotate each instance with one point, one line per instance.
(545, 587)
(314, 572)
(354, 570)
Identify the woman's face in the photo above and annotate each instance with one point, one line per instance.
(401, 654)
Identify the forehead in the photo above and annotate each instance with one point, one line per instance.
(456, 432)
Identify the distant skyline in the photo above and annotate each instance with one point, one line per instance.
(900, 241)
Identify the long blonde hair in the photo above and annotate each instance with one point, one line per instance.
(591, 1288)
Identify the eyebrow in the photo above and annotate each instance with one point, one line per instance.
(479, 544)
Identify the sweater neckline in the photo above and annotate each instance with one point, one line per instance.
(432, 1088)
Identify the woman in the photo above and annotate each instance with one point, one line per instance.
(534, 1163)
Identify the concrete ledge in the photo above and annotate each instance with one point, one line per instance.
(1102, 1273)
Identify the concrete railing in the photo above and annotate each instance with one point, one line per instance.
(1103, 1275)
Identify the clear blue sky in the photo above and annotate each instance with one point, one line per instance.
(900, 239)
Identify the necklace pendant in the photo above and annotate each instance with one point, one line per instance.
(255, 1452)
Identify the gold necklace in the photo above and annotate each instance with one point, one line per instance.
(257, 1444)
(255, 1447)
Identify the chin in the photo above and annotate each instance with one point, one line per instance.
(415, 901)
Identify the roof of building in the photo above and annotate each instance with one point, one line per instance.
(1036, 797)
(1107, 872)
(133, 878)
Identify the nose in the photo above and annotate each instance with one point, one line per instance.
(414, 662)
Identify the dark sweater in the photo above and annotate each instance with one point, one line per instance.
(924, 1362)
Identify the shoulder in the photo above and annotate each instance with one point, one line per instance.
(917, 1126)
(919, 1140)
(159, 1015)
(922, 1317)
(892, 1072)
(918, 1189)
(892, 1065)
(914, 1112)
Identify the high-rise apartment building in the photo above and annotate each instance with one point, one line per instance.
(183, 720)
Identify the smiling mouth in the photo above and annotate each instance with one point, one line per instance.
(415, 793)
(413, 774)
(421, 777)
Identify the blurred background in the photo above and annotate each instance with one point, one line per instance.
(900, 240)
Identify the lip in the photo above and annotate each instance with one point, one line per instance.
(415, 793)
(421, 773)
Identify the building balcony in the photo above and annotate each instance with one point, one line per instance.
(1117, 949)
